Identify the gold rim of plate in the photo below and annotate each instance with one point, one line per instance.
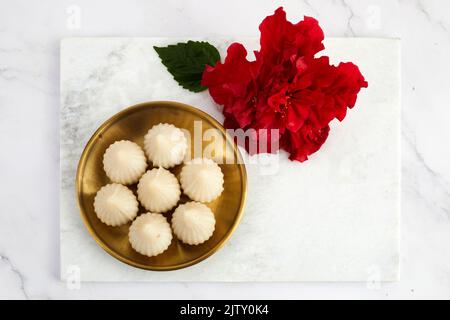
(90, 177)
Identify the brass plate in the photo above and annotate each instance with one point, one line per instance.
(132, 124)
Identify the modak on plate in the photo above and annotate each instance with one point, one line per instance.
(115, 204)
(201, 179)
(124, 162)
(193, 223)
(165, 145)
(150, 234)
(158, 190)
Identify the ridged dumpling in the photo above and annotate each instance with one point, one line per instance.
(165, 145)
(115, 204)
(124, 162)
(150, 234)
(158, 190)
(193, 223)
(201, 179)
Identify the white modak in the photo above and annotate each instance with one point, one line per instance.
(158, 190)
(124, 162)
(165, 145)
(193, 223)
(201, 179)
(150, 234)
(115, 204)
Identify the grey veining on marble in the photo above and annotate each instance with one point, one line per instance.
(333, 218)
(30, 33)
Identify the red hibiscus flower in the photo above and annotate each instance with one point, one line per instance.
(286, 87)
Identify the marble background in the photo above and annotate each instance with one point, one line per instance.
(332, 218)
(29, 112)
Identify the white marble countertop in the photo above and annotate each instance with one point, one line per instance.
(29, 112)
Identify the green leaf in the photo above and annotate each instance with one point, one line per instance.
(186, 62)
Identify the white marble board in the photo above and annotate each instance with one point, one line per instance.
(332, 218)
